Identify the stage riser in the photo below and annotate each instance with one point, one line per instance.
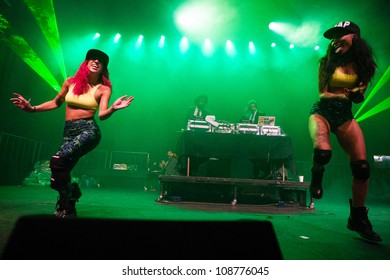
(219, 190)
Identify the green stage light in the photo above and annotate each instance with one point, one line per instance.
(140, 39)
(161, 43)
(207, 48)
(381, 106)
(44, 14)
(304, 35)
(199, 19)
(252, 48)
(96, 36)
(229, 48)
(274, 26)
(117, 37)
(384, 105)
(273, 45)
(316, 48)
(184, 45)
(19, 45)
(291, 46)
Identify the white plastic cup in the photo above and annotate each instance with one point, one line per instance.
(301, 179)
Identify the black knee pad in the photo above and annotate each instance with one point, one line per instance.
(360, 169)
(322, 157)
(60, 172)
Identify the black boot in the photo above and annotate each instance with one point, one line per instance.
(316, 183)
(74, 193)
(358, 221)
(71, 211)
(66, 202)
(62, 204)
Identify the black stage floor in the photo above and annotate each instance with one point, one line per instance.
(302, 233)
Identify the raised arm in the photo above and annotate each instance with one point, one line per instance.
(56, 102)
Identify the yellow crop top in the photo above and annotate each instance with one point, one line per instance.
(342, 80)
(86, 100)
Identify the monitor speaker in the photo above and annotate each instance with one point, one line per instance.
(47, 238)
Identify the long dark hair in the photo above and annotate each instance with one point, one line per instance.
(360, 54)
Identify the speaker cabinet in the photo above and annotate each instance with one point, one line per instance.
(47, 238)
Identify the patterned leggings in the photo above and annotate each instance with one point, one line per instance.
(80, 137)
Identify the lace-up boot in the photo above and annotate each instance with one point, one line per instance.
(358, 221)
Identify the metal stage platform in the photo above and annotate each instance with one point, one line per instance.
(176, 188)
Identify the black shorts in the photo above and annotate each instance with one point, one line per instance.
(336, 112)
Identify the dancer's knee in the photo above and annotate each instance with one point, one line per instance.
(360, 169)
(60, 172)
(322, 157)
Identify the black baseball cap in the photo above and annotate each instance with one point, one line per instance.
(98, 54)
(342, 28)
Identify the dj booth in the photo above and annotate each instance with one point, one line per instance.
(218, 167)
(237, 150)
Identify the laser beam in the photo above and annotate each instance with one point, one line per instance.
(382, 81)
(44, 14)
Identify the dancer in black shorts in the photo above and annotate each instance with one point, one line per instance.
(344, 73)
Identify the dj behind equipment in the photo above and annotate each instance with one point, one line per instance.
(264, 126)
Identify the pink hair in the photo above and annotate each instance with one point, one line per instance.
(80, 79)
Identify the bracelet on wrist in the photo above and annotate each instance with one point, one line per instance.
(34, 109)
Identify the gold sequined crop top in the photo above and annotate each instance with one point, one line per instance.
(86, 100)
(342, 80)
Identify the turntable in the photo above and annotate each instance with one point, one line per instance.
(199, 125)
(247, 128)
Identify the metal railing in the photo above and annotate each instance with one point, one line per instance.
(18, 156)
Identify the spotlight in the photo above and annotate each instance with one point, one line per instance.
(139, 41)
(230, 49)
(207, 47)
(252, 48)
(274, 26)
(161, 42)
(97, 35)
(184, 45)
(300, 35)
(117, 37)
(273, 45)
(199, 19)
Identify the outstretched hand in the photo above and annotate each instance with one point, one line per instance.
(22, 103)
(122, 102)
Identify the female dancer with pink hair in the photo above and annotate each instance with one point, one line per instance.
(86, 92)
